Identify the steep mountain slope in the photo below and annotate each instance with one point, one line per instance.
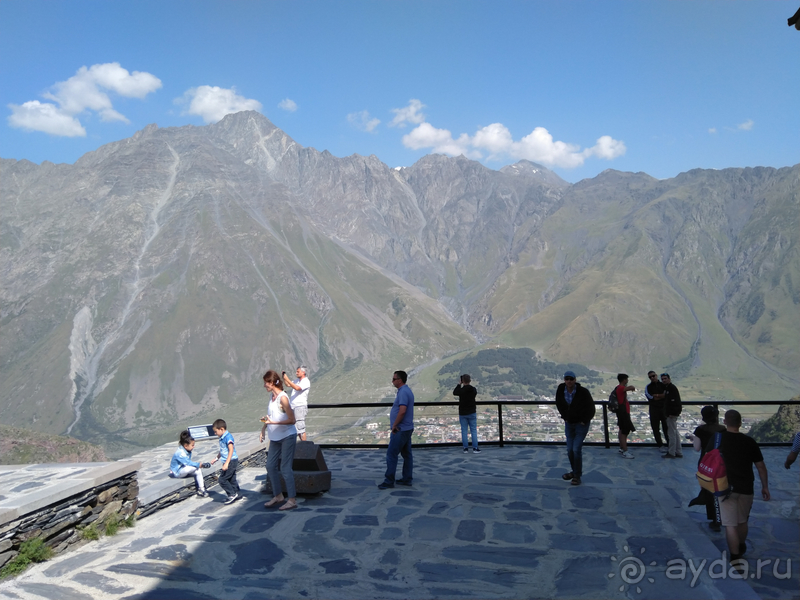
(156, 278)
(640, 273)
(448, 226)
(154, 281)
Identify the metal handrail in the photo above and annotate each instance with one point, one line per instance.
(500, 403)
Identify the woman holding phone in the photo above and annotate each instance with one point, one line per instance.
(279, 425)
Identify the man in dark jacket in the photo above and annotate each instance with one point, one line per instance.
(673, 408)
(654, 392)
(576, 407)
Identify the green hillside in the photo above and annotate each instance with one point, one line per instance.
(780, 427)
(22, 447)
(511, 371)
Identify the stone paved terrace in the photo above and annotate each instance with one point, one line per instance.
(501, 524)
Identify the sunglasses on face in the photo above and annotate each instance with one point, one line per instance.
(569, 379)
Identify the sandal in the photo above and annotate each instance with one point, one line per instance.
(288, 506)
(273, 502)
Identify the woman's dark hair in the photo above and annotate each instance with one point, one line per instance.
(185, 438)
(710, 415)
(273, 378)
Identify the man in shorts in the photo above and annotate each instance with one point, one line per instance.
(299, 399)
(624, 414)
(741, 452)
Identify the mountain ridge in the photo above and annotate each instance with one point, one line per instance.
(158, 276)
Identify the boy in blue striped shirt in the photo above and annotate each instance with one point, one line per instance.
(227, 452)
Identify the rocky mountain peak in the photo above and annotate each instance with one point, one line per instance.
(526, 168)
(147, 131)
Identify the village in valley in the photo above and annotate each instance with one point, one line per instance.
(532, 420)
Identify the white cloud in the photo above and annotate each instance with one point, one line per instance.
(212, 103)
(363, 121)
(46, 117)
(746, 126)
(410, 114)
(712, 130)
(607, 148)
(288, 105)
(86, 90)
(496, 141)
(440, 141)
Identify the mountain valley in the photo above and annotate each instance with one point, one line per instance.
(150, 284)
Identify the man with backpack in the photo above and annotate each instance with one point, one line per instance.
(576, 407)
(673, 408)
(740, 452)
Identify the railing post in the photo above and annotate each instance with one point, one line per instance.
(605, 426)
(500, 422)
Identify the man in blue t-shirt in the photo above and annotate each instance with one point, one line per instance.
(401, 419)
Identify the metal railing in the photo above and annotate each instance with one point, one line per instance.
(502, 441)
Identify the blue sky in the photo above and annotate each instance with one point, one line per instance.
(659, 87)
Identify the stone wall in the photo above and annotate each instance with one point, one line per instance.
(187, 486)
(58, 524)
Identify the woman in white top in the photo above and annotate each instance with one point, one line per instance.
(279, 423)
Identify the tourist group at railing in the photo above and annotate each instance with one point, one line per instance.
(728, 499)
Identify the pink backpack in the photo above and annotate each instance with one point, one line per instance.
(711, 472)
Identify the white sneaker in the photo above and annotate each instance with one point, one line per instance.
(626, 455)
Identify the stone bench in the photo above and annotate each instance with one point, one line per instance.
(311, 474)
(158, 490)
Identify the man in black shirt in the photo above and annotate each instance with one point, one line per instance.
(740, 452)
(576, 407)
(467, 412)
(673, 408)
(654, 392)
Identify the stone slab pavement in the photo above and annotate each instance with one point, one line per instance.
(500, 524)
